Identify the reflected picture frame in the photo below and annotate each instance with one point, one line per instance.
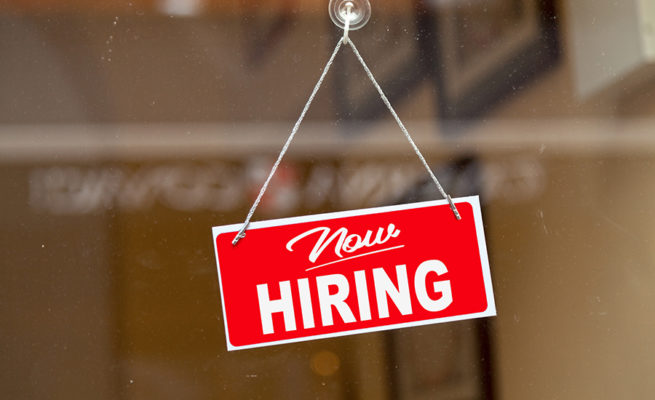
(474, 59)
(443, 361)
(484, 51)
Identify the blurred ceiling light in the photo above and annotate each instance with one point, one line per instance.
(181, 8)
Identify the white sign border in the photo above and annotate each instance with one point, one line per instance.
(474, 201)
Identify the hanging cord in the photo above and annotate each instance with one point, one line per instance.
(402, 128)
(242, 232)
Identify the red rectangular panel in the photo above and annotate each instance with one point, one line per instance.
(350, 272)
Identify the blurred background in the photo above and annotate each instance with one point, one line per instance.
(129, 128)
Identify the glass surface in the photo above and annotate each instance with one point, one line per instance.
(129, 128)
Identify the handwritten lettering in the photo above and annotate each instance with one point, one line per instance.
(343, 241)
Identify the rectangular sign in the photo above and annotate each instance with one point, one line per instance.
(336, 274)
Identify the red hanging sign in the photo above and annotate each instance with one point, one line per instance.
(336, 274)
